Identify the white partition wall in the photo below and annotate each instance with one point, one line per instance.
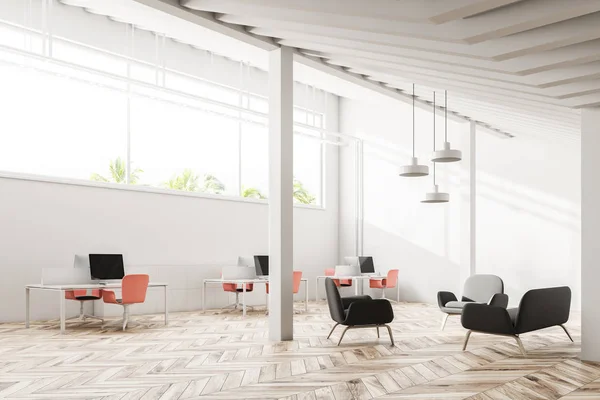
(590, 232)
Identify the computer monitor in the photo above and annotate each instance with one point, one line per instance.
(366, 265)
(261, 263)
(106, 266)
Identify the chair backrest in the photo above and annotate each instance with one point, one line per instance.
(297, 280)
(134, 288)
(481, 288)
(392, 278)
(334, 301)
(543, 308)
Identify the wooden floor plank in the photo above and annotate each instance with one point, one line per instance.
(219, 355)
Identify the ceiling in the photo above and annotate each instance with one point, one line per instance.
(517, 64)
(524, 67)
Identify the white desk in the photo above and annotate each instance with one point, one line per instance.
(61, 289)
(355, 280)
(245, 283)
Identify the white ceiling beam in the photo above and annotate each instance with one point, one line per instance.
(514, 18)
(558, 92)
(530, 64)
(432, 11)
(207, 20)
(321, 65)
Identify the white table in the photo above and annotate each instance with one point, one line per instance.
(245, 283)
(61, 289)
(355, 280)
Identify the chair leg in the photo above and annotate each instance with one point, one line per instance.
(566, 331)
(378, 333)
(521, 347)
(444, 319)
(466, 340)
(332, 329)
(390, 333)
(343, 333)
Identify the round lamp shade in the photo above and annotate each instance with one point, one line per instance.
(435, 196)
(446, 154)
(414, 169)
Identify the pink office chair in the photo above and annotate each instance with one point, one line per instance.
(133, 291)
(390, 282)
(297, 280)
(82, 296)
(237, 289)
(338, 282)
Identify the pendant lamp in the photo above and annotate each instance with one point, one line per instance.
(414, 169)
(435, 196)
(447, 154)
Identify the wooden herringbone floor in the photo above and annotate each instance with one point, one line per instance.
(218, 355)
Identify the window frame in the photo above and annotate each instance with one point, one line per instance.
(320, 135)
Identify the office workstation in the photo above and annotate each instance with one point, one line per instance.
(245, 199)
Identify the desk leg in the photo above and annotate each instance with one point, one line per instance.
(62, 311)
(306, 295)
(203, 295)
(356, 286)
(244, 299)
(166, 307)
(27, 307)
(317, 289)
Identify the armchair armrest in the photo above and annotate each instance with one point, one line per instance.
(445, 297)
(369, 312)
(499, 300)
(488, 319)
(346, 301)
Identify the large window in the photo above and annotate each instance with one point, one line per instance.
(85, 113)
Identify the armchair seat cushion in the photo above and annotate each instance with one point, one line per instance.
(456, 307)
(456, 304)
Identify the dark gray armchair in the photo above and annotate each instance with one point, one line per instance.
(538, 309)
(357, 311)
(479, 288)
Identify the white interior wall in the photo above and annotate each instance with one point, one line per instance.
(527, 221)
(421, 240)
(176, 238)
(528, 213)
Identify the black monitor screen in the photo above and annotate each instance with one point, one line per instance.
(366, 265)
(107, 266)
(261, 263)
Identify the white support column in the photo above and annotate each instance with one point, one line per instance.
(590, 231)
(281, 218)
(468, 203)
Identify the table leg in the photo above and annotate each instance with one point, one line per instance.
(244, 299)
(26, 307)
(166, 307)
(397, 292)
(317, 289)
(62, 311)
(203, 295)
(355, 286)
(306, 295)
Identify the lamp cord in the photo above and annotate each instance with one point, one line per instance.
(434, 136)
(413, 117)
(446, 116)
